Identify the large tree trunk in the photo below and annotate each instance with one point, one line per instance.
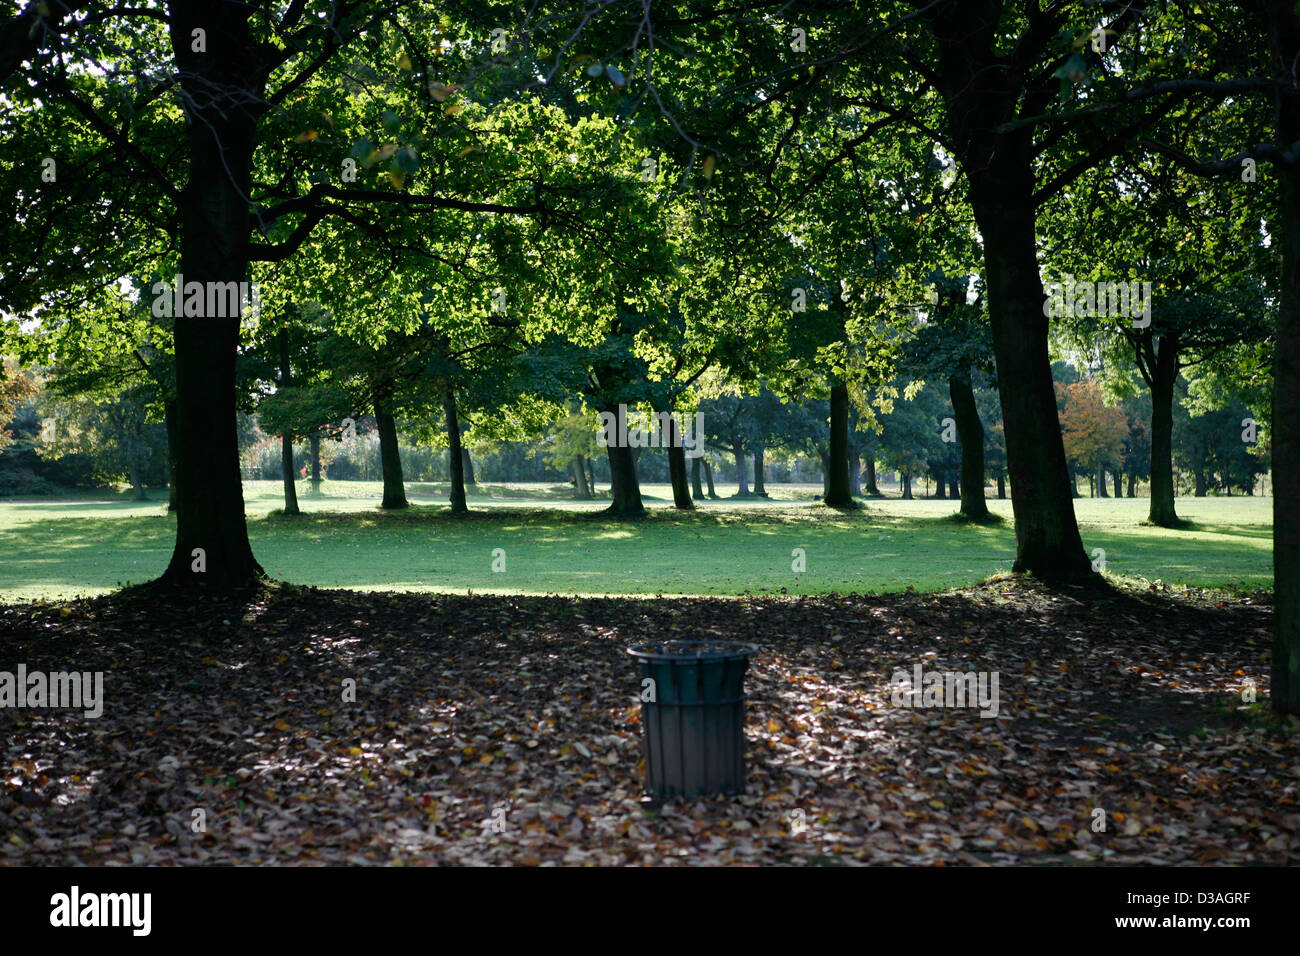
(677, 468)
(907, 487)
(1284, 43)
(738, 450)
(970, 432)
(390, 458)
(455, 460)
(759, 487)
(940, 486)
(625, 488)
(872, 489)
(1201, 484)
(1119, 483)
(1163, 376)
(708, 478)
(696, 490)
(222, 91)
(837, 479)
(173, 441)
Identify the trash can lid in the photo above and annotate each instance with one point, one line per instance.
(692, 650)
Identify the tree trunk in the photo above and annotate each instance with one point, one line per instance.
(954, 490)
(1201, 485)
(1163, 376)
(907, 487)
(1132, 485)
(940, 487)
(1119, 484)
(677, 468)
(1284, 42)
(696, 490)
(314, 441)
(286, 466)
(872, 489)
(837, 480)
(826, 471)
(708, 478)
(455, 460)
(1074, 484)
(739, 451)
(855, 475)
(579, 471)
(759, 487)
(286, 440)
(1101, 481)
(390, 459)
(970, 432)
(222, 89)
(591, 476)
(467, 465)
(173, 441)
(625, 488)
(137, 485)
(1002, 487)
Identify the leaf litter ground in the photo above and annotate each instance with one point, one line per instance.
(501, 730)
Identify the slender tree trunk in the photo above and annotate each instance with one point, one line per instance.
(137, 486)
(1201, 486)
(940, 487)
(286, 465)
(467, 464)
(390, 458)
(954, 488)
(708, 478)
(970, 432)
(1132, 485)
(739, 451)
(314, 441)
(677, 468)
(1074, 485)
(872, 489)
(1101, 481)
(1164, 375)
(696, 490)
(591, 476)
(1002, 487)
(826, 472)
(455, 460)
(1284, 42)
(759, 487)
(286, 439)
(579, 470)
(173, 441)
(907, 487)
(1119, 483)
(837, 482)
(222, 89)
(855, 475)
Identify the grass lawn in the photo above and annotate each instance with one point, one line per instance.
(62, 548)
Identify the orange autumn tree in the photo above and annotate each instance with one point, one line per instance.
(1093, 432)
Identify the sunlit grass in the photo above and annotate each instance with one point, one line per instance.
(52, 548)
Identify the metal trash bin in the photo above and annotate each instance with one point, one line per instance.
(693, 712)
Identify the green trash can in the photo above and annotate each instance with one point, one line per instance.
(693, 712)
